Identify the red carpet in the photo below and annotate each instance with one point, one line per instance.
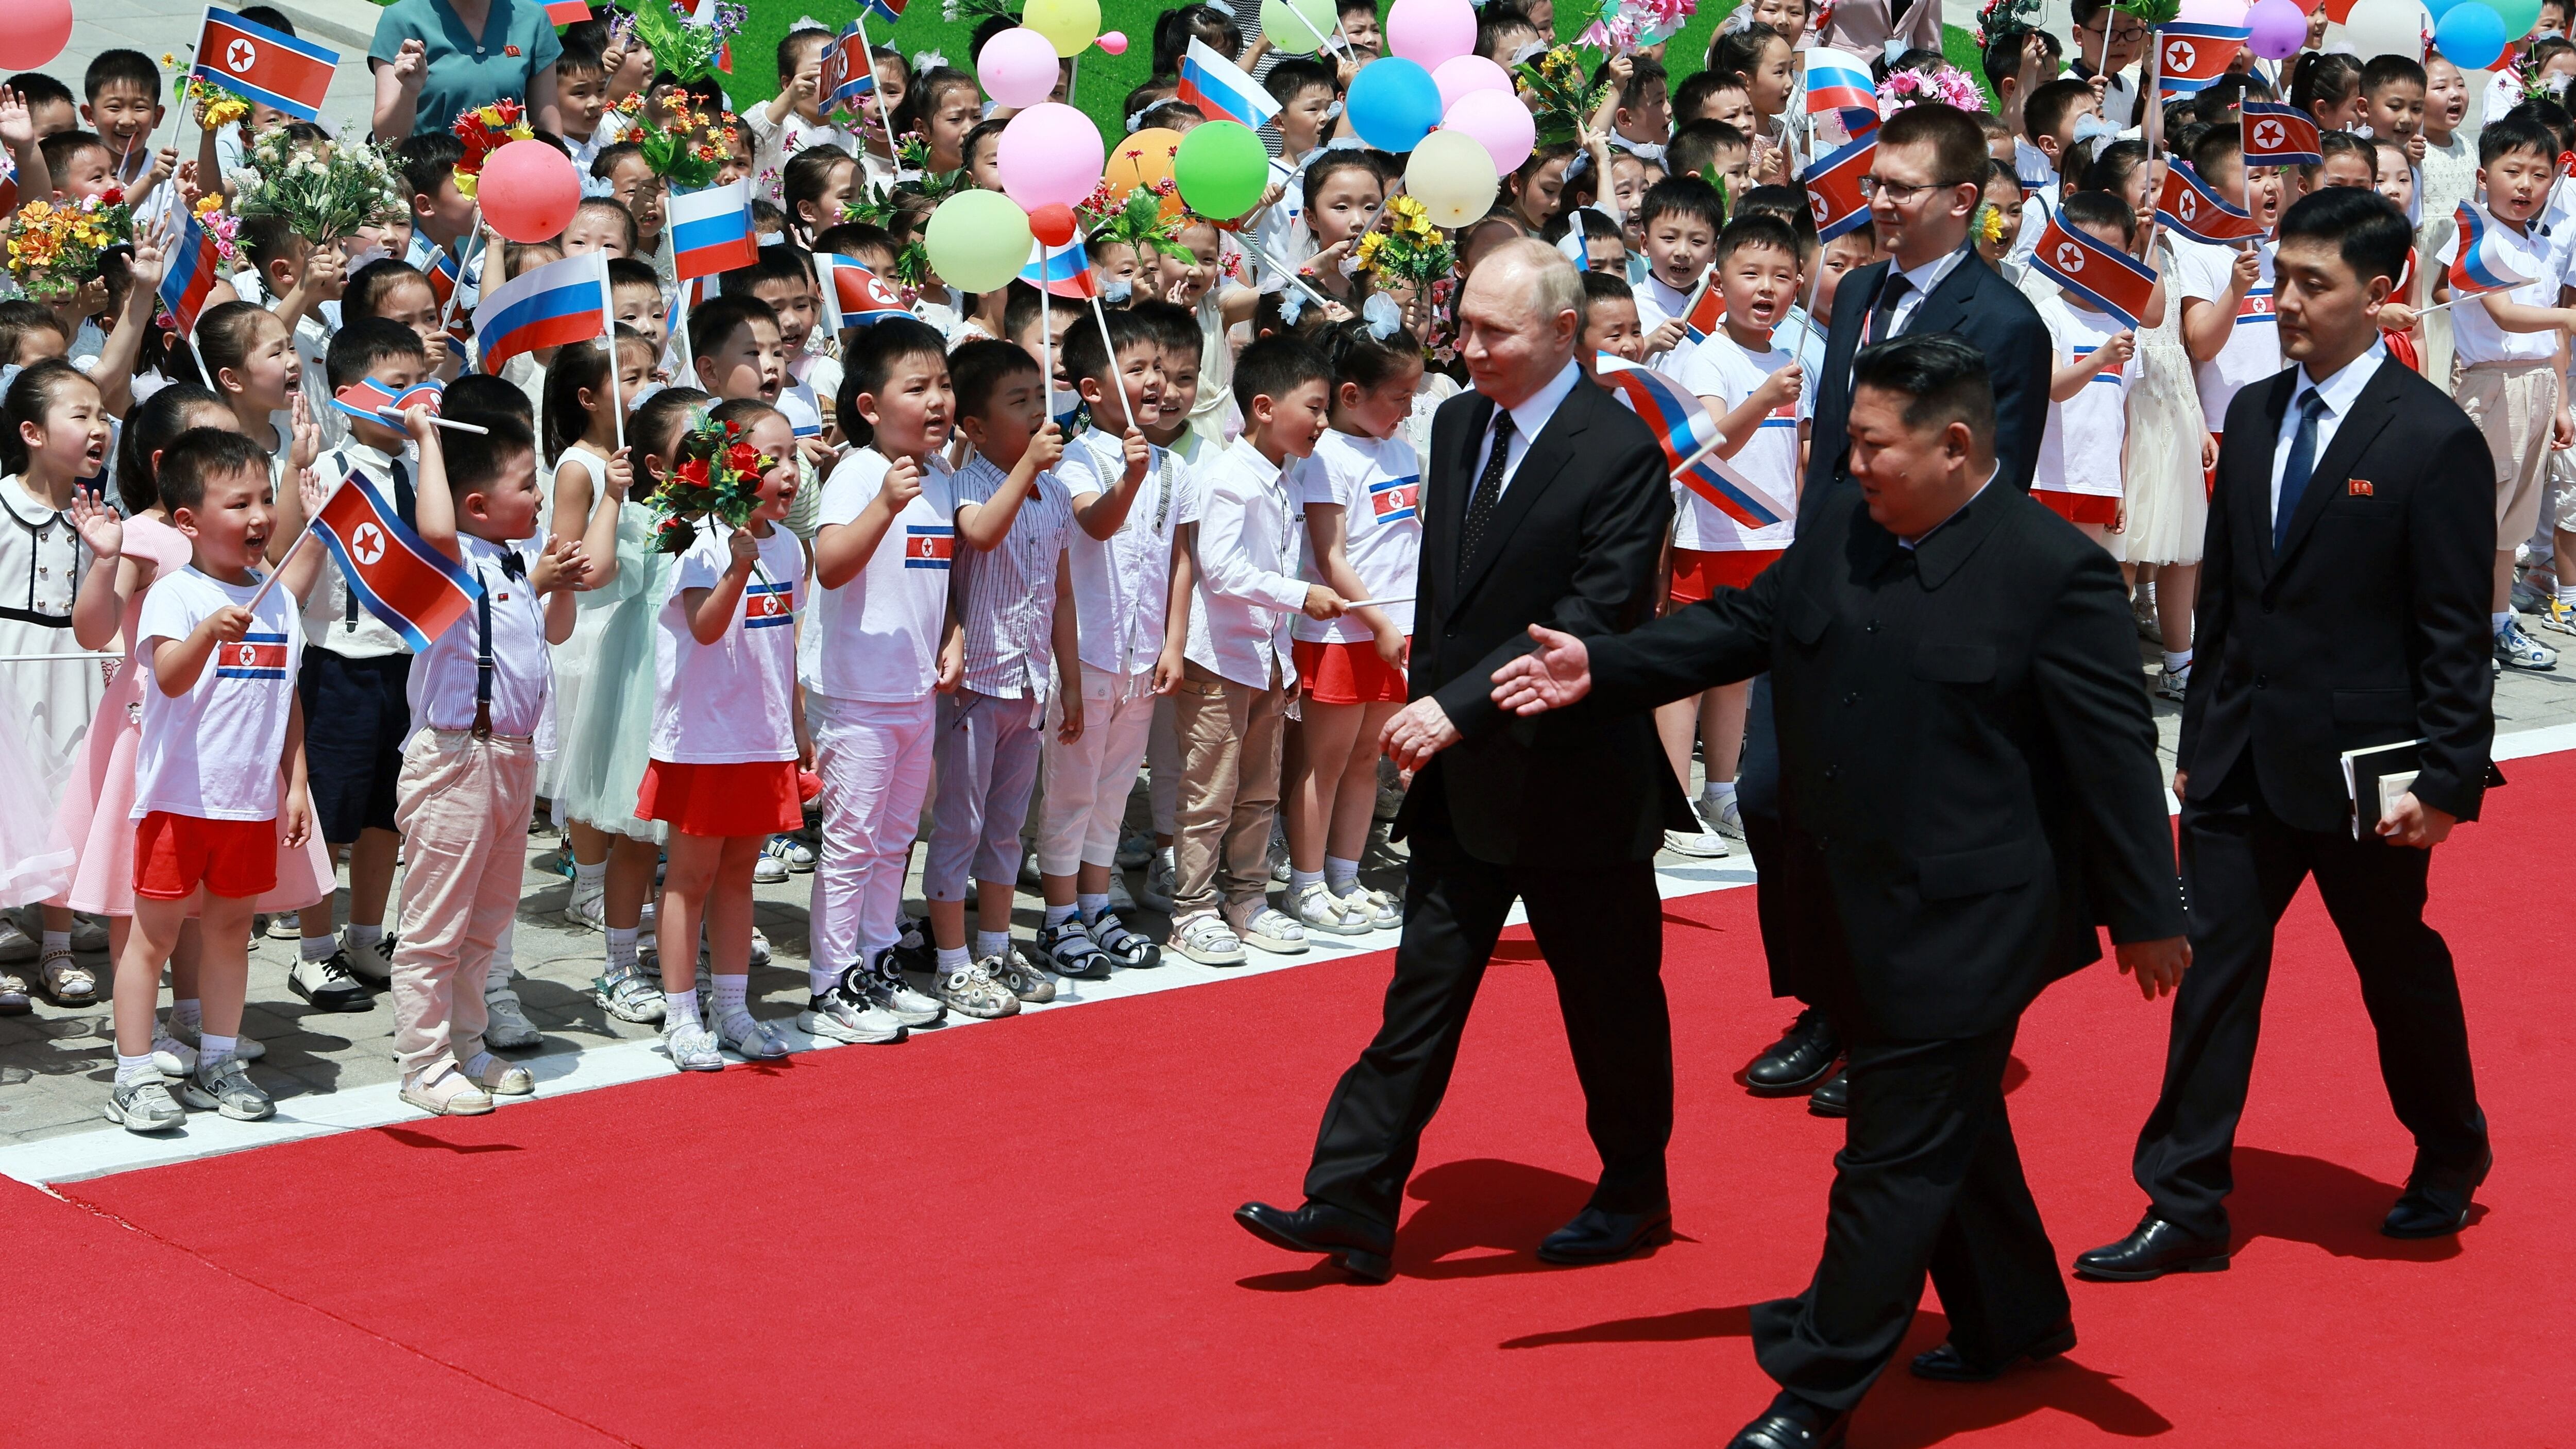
(1019, 1235)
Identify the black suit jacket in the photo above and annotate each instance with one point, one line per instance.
(1972, 302)
(2370, 627)
(1968, 774)
(1573, 545)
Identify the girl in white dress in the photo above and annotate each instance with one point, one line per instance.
(582, 433)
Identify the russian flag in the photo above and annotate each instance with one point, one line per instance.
(1684, 427)
(888, 11)
(190, 277)
(566, 12)
(1065, 271)
(849, 71)
(1833, 189)
(1837, 83)
(558, 303)
(853, 296)
(2189, 208)
(1220, 89)
(2192, 54)
(267, 66)
(711, 230)
(415, 589)
(2277, 135)
(2477, 263)
(2107, 278)
(705, 16)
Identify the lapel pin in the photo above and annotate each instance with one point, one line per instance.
(2358, 488)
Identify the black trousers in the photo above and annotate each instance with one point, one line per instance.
(1602, 932)
(1928, 1181)
(2240, 866)
(1757, 798)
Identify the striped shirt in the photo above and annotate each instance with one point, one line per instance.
(1006, 597)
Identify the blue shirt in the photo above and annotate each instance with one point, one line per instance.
(465, 73)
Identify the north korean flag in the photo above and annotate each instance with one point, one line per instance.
(268, 66)
(2188, 207)
(253, 656)
(2108, 279)
(928, 545)
(2189, 55)
(1396, 500)
(415, 589)
(2277, 135)
(1833, 189)
(853, 296)
(849, 71)
(768, 606)
(1707, 311)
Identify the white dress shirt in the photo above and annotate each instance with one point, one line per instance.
(2339, 392)
(444, 680)
(1248, 585)
(1528, 417)
(1923, 279)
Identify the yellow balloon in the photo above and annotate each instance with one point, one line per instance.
(1452, 175)
(1068, 25)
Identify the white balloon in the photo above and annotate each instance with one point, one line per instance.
(1453, 177)
(2387, 27)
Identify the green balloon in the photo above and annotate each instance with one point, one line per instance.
(1222, 169)
(1301, 30)
(2519, 15)
(978, 240)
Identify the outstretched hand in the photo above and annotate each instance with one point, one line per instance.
(1555, 674)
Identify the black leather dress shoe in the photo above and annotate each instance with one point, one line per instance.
(1596, 1236)
(2151, 1250)
(2436, 1201)
(1833, 1099)
(1357, 1246)
(1793, 1423)
(1802, 1057)
(1950, 1366)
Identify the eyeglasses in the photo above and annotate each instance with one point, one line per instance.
(2125, 35)
(1902, 193)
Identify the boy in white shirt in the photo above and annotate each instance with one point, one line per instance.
(1680, 218)
(2055, 114)
(1240, 665)
(2079, 452)
(478, 697)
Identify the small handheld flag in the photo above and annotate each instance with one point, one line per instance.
(2190, 56)
(705, 17)
(888, 11)
(415, 589)
(1689, 437)
(849, 71)
(2477, 261)
(2107, 278)
(191, 276)
(267, 66)
(1706, 315)
(566, 12)
(558, 303)
(1220, 90)
(1838, 84)
(1833, 189)
(2190, 209)
(711, 230)
(1064, 271)
(853, 296)
(443, 273)
(2277, 135)
(364, 399)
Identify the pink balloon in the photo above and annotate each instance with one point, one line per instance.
(1459, 75)
(32, 34)
(2280, 28)
(1017, 67)
(1114, 42)
(528, 190)
(1499, 123)
(1429, 32)
(1050, 154)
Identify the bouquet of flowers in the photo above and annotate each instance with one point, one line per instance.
(1999, 20)
(221, 107)
(485, 130)
(1409, 249)
(1138, 221)
(1562, 104)
(679, 44)
(324, 191)
(1621, 26)
(1941, 85)
(717, 477)
(968, 12)
(686, 148)
(222, 229)
(54, 250)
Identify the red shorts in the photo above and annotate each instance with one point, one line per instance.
(175, 854)
(1698, 573)
(2080, 507)
(757, 798)
(1347, 674)
(2209, 475)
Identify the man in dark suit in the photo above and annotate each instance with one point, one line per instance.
(1925, 184)
(1968, 785)
(2343, 604)
(1546, 500)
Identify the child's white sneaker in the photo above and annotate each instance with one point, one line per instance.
(974, 992)
(144, 1105)
(506, 1026)
(225, 1086)
(172, 1057)
(1162, 875)
(835, 1015)
(191, 1034)
(1019, 978)
(370, 961)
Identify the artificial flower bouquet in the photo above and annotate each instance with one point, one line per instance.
(717, 477)
(323, 190)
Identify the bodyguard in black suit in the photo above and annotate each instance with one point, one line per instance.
(2343, 604)
(1547, 501)
(1925, 182)
(1968, 786)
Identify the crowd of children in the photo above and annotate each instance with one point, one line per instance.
(1011, 552)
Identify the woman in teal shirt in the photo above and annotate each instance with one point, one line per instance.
(476, 52)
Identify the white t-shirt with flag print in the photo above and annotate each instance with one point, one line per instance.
(1377, 483)
(2080, 450)
(2253, 350)
(1725, 369)
(876, 638)
(731, 702)
(212, 751)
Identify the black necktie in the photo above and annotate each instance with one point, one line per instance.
(1489, 491)
(2296, 470)
(1882, 318)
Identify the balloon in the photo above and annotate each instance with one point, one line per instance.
(1394, 103)
(1017, 67)
(1115, 42)
(2280, 28)
(1145, 159)
(32, 34)
(2386, 27)
(528, 190)
(1068, 25)
(1459, 75)
(1052, 224)
(1452, 177)
(1500, 124)
(2518, 16)
(1429, 32)
(1298, 27)
(977, 240)
(2472, 35)
(1049, 152)
(1222, 169)
(2439, 8)
(2212, 12)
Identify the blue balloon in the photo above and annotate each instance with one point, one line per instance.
(2471, 34)
(2441, 8)
(1394, 103)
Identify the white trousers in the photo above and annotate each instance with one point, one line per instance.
(1087, 781)
(874, 760)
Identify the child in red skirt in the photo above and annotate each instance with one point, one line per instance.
(728, 734)
(1364, 541)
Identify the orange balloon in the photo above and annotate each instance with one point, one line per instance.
(1145, 159)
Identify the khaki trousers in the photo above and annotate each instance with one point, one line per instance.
(1229, 735)
(462, 805)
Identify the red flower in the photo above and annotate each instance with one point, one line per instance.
(693, 472)
(112, 196)
(744, 460)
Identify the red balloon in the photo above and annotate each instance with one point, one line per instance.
(529, 191)
(33, 33)
(1052, 224)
